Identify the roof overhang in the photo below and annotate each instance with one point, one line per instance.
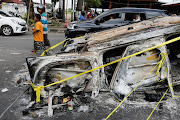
(171, 4)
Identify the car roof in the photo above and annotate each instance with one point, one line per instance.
(131, 9)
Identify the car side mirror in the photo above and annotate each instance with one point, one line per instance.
(97, 22)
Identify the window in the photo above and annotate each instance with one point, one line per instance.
(114, 21)
(152, 14)
(110, 56)
(131, 16)
(111, 17)
(5, 14)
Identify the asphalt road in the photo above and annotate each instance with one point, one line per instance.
(13, 51)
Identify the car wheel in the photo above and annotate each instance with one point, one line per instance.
(7, 30)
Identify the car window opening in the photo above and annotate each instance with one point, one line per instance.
(111, 17)
(131, 16)
(110, 56)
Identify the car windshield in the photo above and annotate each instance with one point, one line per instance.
(5, 14)
(99, 16)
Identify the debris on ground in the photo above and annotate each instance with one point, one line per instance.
(4, 90)
(8, 71)
(2, 60)
(16, 53)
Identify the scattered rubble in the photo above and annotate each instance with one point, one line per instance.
(2, 60)
(8, 71)
(4, 90)
(16, 53)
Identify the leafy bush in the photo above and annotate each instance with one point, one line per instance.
(31, 21)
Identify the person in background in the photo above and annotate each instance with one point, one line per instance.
(81, 18)
(137, 18)
(38, 34)
(111, 18)
(17, 14)
(90, 15)
(41, 10)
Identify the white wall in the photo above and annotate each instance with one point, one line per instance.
(168, 1)
(11, 7)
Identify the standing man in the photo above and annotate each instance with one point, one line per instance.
(41, 10)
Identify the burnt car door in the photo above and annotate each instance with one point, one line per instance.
(130, 72)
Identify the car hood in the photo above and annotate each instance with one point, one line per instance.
(18, 19)
(82, 22)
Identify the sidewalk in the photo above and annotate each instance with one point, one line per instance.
(53, 29)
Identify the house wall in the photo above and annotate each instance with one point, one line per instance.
(11, 7)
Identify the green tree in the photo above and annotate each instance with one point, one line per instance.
(89, 3)
(93, 3)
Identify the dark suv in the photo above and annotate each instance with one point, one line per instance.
(110, 19)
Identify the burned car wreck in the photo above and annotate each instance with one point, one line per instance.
(97, 49)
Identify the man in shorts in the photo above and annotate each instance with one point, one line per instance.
(38, 34)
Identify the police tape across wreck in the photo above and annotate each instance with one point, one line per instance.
(99, 49)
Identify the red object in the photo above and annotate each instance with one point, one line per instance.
(110, 5)
(12, 1)
(65, 100)
(90, 16)
(66, 25)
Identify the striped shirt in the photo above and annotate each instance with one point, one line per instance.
(44, 23)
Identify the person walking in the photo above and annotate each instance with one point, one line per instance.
(41, 10)
(38, 34)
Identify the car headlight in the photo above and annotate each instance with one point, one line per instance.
(71, 26)
(14, 21)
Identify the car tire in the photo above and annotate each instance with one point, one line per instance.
(7, 30)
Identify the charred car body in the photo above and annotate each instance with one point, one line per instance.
(97, 49)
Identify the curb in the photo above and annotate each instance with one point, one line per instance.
(56, 30)
(53, 30)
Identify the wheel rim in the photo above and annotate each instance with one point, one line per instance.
(7, 31)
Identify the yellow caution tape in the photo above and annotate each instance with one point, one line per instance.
(38, 91)
(158, 103)
(163, 56)
(173, 90)
(161, 100)
(157, 46)
(53, 47)
(58, 45)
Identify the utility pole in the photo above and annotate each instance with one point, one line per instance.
(72, 11)
(63, 7)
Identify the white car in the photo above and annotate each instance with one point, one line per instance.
(10, 25)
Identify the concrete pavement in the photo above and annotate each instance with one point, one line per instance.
(13, 51)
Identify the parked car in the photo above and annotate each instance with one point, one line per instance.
(120, 17)
(10, 24)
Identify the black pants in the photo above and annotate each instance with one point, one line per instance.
(46, 41)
